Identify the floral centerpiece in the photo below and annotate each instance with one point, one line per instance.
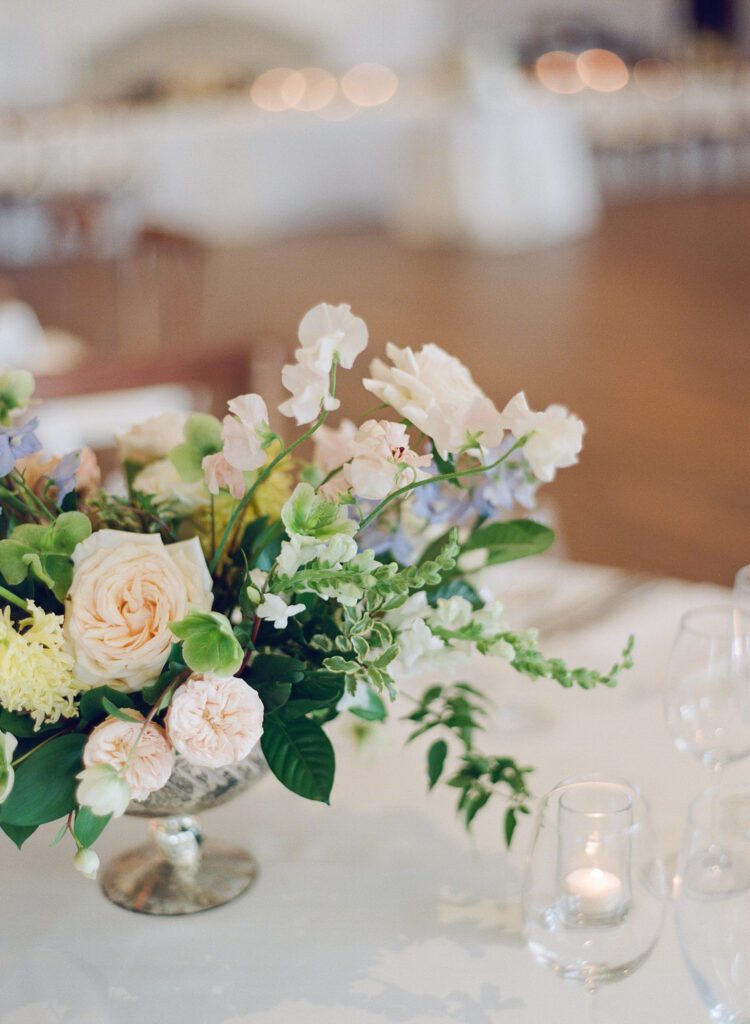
(232, 595)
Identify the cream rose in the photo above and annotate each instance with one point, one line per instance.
(214, 721)
(161, 479)
(126, 590)
(436, 392)
(152, 439)
(147, 768)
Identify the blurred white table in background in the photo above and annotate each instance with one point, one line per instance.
(378, 909)
(510, 175)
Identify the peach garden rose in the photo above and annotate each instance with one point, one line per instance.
(146, 761)
(215, 721)
(126, 590)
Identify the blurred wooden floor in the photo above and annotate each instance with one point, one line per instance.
(643, 329)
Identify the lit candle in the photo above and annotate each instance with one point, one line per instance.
(594, 892)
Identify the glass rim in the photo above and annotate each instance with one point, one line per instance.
(730, 612)
(639, 804)
(708, 796)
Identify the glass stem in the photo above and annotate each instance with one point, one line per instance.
(591, 1003)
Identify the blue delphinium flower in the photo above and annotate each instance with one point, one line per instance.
(506, 486)
(63, 476)
(442, 502)
(16, 443)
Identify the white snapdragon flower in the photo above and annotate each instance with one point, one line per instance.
(490, 619)
(382, 460)
(275, 609)
(103, 790)
(417, 642)
(258, 580)
(436, 392)
(451, 613)
(86, 861)
(556, 435)
(414, 607)
(8, 744)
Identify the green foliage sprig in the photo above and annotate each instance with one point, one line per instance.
(458, 710)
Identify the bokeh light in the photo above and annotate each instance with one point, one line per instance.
(658, 78)
(278, 89)
(557, 71)
(602, 70)
(369, 85)
(320, 89)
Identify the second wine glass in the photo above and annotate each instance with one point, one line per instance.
(708, 689)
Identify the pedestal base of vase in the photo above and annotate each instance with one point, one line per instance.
(178, 872)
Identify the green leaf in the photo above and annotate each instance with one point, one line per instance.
(92, 705)
(436, 756)
(505, 542)
(275, 668)
(208, 643)
(375, 711)
(45, 784)
(475, 805)
(511, 821)
(273, 694)
(300, 755)
(88, 826)
(13, 567)
(68, 530)
(454, 588)
(18, 833)
(21, 726)
(113, 710)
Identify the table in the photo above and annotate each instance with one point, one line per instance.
(378, 909)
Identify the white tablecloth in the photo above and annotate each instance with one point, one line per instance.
(377, 909)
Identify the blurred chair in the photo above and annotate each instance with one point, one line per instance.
(88, 406)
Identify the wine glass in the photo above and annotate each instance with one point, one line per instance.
(712, 901)
(741, 594)
(708, 691)
(594, 888)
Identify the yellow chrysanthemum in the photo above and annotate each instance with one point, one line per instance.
(36, 671)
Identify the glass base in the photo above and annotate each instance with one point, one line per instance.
(178, 873)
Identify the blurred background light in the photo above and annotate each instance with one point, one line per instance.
(320, 89)
(602, 70)
(278, 89)
(369, 85)
(558, 72)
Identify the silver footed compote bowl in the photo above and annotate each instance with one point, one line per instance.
(179, 872)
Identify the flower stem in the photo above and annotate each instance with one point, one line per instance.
(473, 471)
(19, 602)
(18, 479)
(264, 475)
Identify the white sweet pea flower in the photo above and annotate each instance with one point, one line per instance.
(332, 446)
(556, 435)
(417, 642)
(382, 460)
(328, 331)
(337, 551)
(8, 744)
(221, 473)
(451, 613)
(436, 392)
(311, 390)
(102, 789)
(245, 433)
(275, 609)
(87, 862)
